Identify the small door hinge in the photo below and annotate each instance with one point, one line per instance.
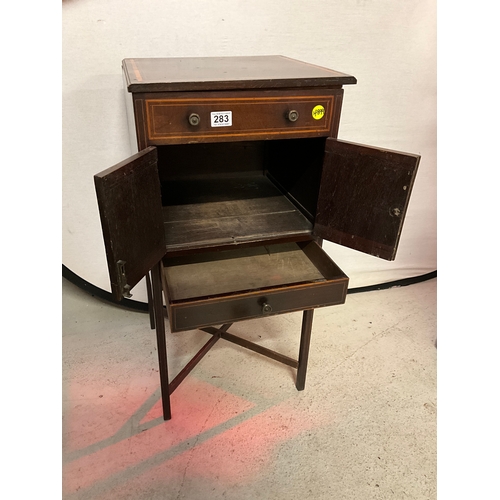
(122, 279)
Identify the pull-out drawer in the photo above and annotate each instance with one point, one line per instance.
(236, 116)
(223, 287)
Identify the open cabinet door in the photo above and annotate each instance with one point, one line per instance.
(363, 197)
(129, 200)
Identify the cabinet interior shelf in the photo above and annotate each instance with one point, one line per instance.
(235, 208)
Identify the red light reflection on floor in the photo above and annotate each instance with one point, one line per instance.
(205, 405)
(239, 453)
(98, 412)
(148, 454)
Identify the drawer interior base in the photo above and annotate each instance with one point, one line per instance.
(216, 273)
(247, 269)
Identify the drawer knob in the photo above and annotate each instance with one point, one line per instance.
(266, 308)
(194, 119)
(293, 115)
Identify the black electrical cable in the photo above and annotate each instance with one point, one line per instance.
(141, 306)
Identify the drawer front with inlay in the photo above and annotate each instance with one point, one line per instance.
(234, 285)
(234, 117)
(190, 316)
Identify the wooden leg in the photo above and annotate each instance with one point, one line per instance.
(161, 341)
(305, 340)
(150, 302)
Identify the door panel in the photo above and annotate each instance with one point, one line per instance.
(129, 200)
(363, 197)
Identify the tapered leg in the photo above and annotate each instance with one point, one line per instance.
(161, 341)
(150, 302)
(305, 340)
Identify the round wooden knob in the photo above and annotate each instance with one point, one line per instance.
(194, 119)
(266, 308)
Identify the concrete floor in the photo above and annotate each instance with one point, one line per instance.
(364, 428)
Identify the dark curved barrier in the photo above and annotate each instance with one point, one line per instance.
(142, 306)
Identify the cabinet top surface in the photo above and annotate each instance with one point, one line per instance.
(226, 73)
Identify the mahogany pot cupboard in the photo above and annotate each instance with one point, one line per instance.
(238, 180)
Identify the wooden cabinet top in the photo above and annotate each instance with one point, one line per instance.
(226, 73)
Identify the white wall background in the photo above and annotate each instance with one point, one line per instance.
(388, 45)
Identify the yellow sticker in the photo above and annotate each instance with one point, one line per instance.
(318, 112)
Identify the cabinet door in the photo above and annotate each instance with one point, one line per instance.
(129, 200)
(363, 197)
